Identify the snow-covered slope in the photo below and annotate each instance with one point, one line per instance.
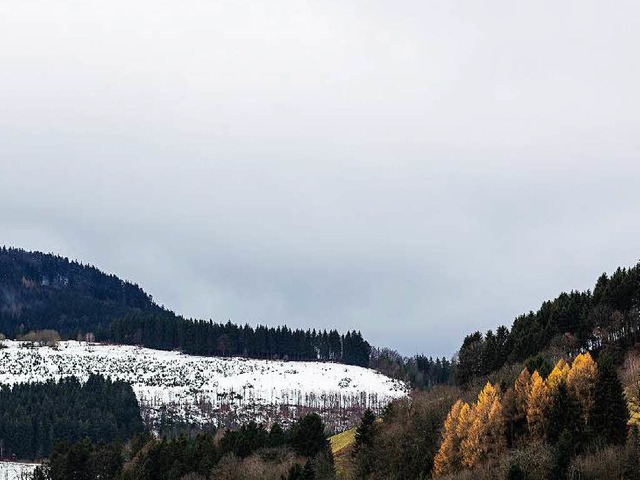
(16, 470)
(220, 391)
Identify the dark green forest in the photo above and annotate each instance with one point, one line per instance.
(33, 417)
(607, 318)
(420, 371)
(302, 452)
(45, 291)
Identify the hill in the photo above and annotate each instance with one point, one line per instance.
(185, 390)
(44, 291)
(606, 318)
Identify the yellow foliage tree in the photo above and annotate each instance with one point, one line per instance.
(522, 390)
(485, 439)
(558, 375)
(536, 405)
(581, 381)
(465, 419)
(448, 459)
(496, 440)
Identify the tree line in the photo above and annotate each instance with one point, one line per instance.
(420, 371)
(44, 291)
(607, 318)
(301, 452)
(201, 337)
(33, 417)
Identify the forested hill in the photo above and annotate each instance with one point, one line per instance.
(44, 291)
(605, 318)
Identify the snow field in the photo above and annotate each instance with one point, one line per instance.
(205, 389)
(16, 470)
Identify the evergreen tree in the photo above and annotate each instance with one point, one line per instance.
(610, 413)
(33, 417)
(564, 451)
(307, 436)
(308, 472)
(563, 416)
(469, 358)
(363, 448)
(276, 436)
(515, 473)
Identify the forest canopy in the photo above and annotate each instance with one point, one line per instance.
(48, 292)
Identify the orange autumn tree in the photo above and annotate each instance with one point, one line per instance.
(475, 434)
(536, 406)
(448, 459)
(485, 439)
(465, 419)
(557, 376)
(581, 381)
(522, 390)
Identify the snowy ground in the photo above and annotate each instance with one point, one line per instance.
(220, 391)
(16, 470)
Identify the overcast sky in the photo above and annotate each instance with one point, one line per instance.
(416, 170)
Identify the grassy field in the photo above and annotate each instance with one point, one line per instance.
(341, 448)
(342, 440)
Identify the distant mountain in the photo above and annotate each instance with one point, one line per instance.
(46, 291)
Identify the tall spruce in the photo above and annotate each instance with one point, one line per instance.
(363, 447)
(610, 413)
(563, 416)
(307, 436)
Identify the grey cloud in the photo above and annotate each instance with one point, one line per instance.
(417, 171)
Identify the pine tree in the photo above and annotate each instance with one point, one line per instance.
(307, 472)
(365, 431)
(276, 436)
(362, 449)
(563, 415)
(581, 381)
(610, 413)
(307, 436)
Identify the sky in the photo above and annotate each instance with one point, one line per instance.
(415, 170)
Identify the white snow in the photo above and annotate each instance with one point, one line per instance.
(16, 470)
(200, 390)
